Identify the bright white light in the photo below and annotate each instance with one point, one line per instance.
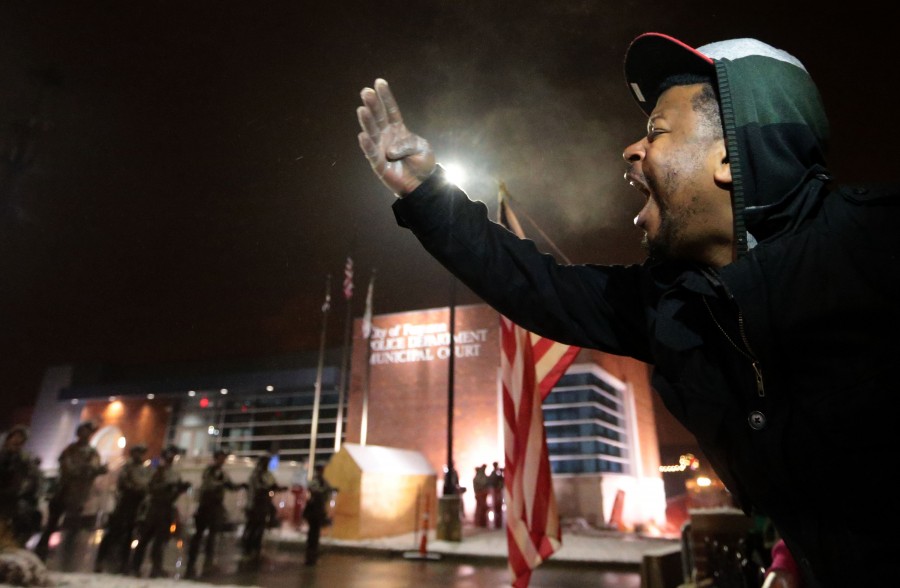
(455, 173)
(151, 396)
(112, 398)
(269, 388)
(211, 430)
(121, 442)
(223, 391)
(192, 393)
(74, 401)
(703, 481)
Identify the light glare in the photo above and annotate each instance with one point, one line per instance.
(455, 173)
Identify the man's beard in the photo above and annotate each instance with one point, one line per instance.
(656, 250)
(660, 248)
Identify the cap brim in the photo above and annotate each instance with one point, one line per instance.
(652, 57)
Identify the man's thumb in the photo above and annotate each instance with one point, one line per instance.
(411, 145)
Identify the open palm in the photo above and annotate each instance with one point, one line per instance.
(400, 158)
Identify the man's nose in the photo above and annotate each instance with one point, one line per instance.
(634, 152)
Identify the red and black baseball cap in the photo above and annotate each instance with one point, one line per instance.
(652, 57)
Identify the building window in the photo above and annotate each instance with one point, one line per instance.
(255, 424)
(586, 425)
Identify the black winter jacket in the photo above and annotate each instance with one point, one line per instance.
(781, 363)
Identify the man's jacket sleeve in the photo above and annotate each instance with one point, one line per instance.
(600, 307)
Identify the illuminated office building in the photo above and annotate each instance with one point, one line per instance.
(599, 418)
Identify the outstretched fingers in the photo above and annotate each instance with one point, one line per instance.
(400, 159)
(383, 138)
(373, 103)
(370, 137)
(392, 111)
(367, 123)
(373, 153)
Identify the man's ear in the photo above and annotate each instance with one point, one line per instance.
(722, 173)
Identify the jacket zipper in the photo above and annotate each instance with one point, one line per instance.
(746, 351)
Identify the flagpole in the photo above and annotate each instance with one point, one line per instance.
(367, 335)
(503, 194)
(314, 431)
(451, 361)
(532, 516)
(345, 355)
(450, 504)
(339, 427)
(364, 424)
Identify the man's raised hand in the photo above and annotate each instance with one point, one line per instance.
(400, 159)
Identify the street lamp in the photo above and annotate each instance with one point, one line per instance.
(455, 174)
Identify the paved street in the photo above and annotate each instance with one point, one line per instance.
(340, 567)
(355, 570)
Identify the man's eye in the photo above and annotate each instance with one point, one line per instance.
(653, 134)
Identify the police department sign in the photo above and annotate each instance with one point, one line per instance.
(407, 342)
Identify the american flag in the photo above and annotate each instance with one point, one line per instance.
(530, 366)
(348, 279)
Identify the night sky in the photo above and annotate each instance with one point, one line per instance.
(177, 178)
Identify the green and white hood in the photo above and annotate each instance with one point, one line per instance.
(774, 122)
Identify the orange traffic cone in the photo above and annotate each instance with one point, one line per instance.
(422, 553)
